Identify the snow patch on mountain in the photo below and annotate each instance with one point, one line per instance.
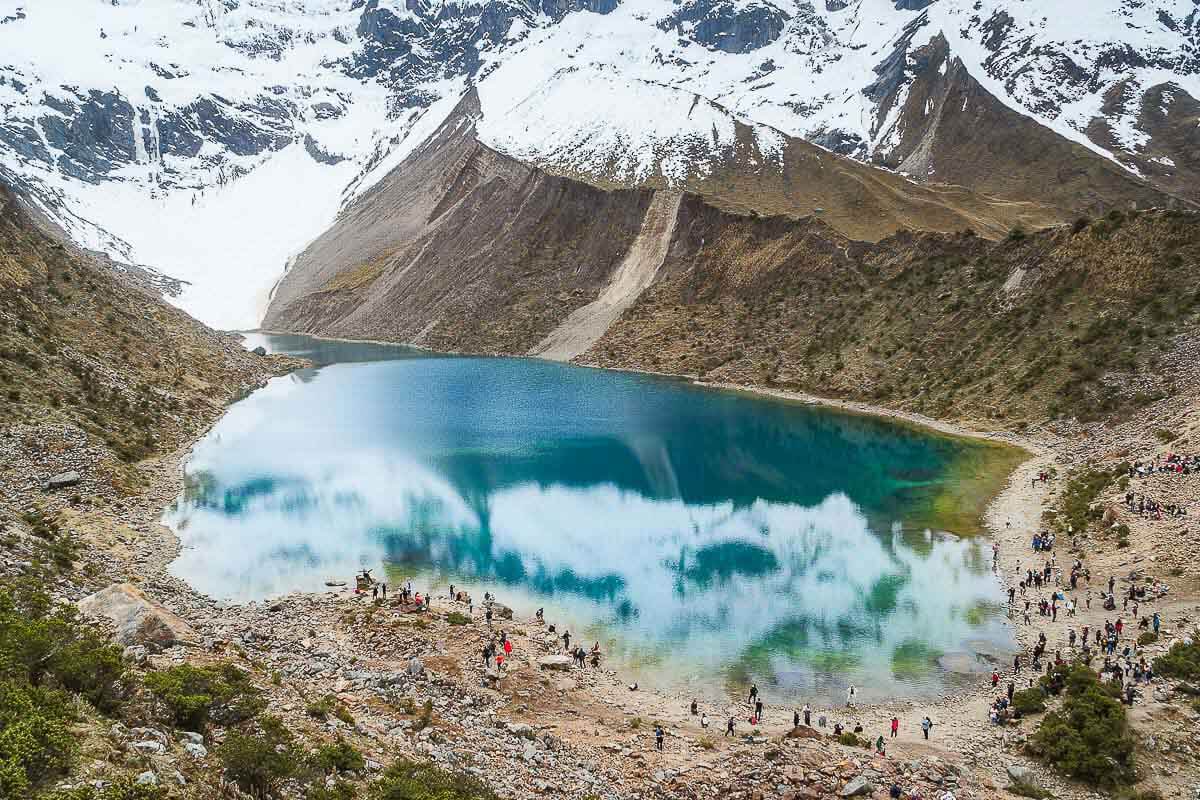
(213, 138)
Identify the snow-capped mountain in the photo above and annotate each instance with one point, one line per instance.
(213, 139)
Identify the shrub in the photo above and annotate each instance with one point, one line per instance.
(458, 618)
(44, 642)
(1028, 789)
(1147, 637)
(1075, 509)
(1088, 738)
(35, 741)
(121, 789)
(259, 762)
(329, 706)
(425, 719)
(407, 780)
(1181, 661)
(1165, 436)
(341, 756)
(192, 695)
(340, 790)
(849, 739)
(1029, 701)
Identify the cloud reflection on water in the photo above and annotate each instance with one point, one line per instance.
(650, 558)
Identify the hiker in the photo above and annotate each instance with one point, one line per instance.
(704, 720)
(695, 707)
(795, 718)
(850, 696)
(926, 724)
(658, 737)
(753, 693)
(566, 637)
(729, 727)
(383, 586)
(895, 727)
(879, 745)
(807, 715)
(758, 709)
(375, 592)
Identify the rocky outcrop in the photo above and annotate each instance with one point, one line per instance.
(138, 620)
(732, 27)
(946, 128)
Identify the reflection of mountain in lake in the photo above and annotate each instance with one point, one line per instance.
(697, 528)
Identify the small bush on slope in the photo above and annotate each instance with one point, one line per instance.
(407, 780)
(1181, 661)
(1087, 738)
(258, 762)
(192, 695)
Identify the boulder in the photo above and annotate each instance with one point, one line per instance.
(1019, 774)
(259, 351)
(804, 732)
(856, 787)
(62, 480)
(501, 611)
(416, 666)
(138, 619)
(555, 662)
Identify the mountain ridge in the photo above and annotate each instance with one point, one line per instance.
(221, 120)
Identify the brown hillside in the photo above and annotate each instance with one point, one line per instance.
(1087, 321)
(82, 347)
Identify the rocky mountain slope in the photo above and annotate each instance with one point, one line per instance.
(117, 369)
(461, 237)
(242, 127)
(1092, 319)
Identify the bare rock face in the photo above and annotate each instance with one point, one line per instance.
(138, 619)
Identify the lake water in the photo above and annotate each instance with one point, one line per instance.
(702, 536)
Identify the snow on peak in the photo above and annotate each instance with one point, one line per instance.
(212, 139)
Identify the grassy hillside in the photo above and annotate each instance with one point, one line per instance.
(81, 347)
(1090, 320)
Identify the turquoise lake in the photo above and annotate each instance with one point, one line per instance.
(705, 537)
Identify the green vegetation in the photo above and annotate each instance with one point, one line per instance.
(191, 695)
(259, 761)
(329, 706)
(458, 618)
(1088, 738)
(340, 756)
(407, 780)
(1027, 789)
(1029, 701)
(125, 788)
(46, 654)
(1076, 508)
(1182, 661)
(1147, 637)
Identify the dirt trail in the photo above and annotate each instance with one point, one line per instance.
(637, 270)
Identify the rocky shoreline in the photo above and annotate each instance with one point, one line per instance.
(546, 732)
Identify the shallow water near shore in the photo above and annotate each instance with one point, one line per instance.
(706, 538)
